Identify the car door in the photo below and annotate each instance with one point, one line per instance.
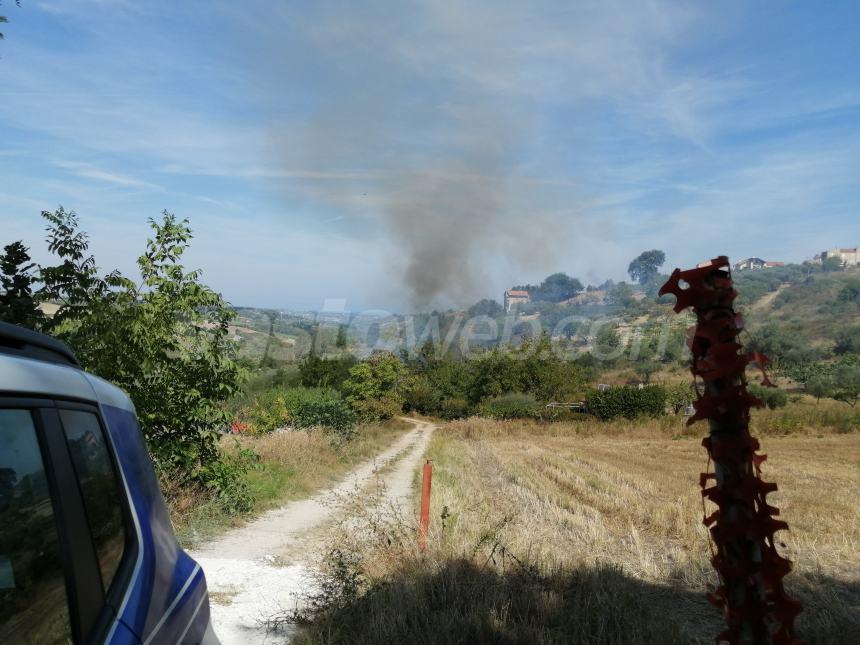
(65, 547)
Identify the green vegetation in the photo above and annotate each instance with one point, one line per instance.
(645, 268)
(300, 408)
(163, 338)
(515, 405)
(555, 288)
(628, 402)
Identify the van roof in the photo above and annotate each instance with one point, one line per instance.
(19, 341)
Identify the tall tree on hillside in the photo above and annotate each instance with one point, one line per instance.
(560, 286)
(646, 266)
(17, 279)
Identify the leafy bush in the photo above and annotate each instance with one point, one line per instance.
(420, 396)
(163, 337)
(301, 408)
(268, 412)
(226, 477)
(319, 408)
(679, 396)
(326, 372)
(515, 405)
(772, 397)
(381, 409)
(626, 401)
(451, 409)
(374, 387)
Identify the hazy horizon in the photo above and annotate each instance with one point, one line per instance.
(417, 155)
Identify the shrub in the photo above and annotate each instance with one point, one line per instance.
(301, 407)
(268, 412)
(326, 372)
(515, 405)
(374, 387)
(319, 408)
(679, 396)
(454, 408)
(380, 409)
(420, 396)
(626, 401)
(772, 397)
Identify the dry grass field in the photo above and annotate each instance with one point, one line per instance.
(589, 532)
(292, 465)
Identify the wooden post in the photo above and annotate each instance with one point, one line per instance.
(424, 521)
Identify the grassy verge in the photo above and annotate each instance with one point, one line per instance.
(293, 465)
(584, 532)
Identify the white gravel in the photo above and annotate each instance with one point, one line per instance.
(257, 571)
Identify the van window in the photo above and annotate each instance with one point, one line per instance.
(99, 488)
(33, 603)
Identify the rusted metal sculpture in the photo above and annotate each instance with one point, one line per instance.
(751, 595)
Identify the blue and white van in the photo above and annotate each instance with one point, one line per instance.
(87, 551)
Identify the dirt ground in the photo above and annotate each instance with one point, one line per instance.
(262, 569)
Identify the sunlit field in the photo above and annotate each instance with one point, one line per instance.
(585, 532)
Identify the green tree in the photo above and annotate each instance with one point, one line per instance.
(341, 340)
(607, 340)
(557, 287)
(646, 266)
(486, 307)
(850, 292)
(847, 383)
(374, 387)
(621, 295)
(164, 339)
(17, 280)
(847, 340)
(644, 368)
(325, 372)
(829, 265)
(820, 386)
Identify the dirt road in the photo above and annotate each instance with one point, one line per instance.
(255, 572)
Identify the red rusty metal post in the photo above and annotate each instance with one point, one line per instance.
(755, 606)
(424, 520)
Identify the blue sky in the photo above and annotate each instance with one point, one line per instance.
(405, 154)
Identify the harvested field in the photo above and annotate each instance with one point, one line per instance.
(575, 536)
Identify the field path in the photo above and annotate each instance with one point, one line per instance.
(256, 571)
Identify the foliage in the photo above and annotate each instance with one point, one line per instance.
(320, 408)
(533, 368)
(607, 340)
(644, 368)
(267, 412)
(679, 396)
(301, 408)
(785, 350)
(629, 402)
(515, 405)
(850, 292)
(164, 340)
(373, 388)
(450, 409)
(486, 307)
(829, 265)
(326, 372)
(420, 396)
(846, 383)
(847, 340)
(555, 288)
(17, 282)
(621, 296)
(645, 267)
(771, 397)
